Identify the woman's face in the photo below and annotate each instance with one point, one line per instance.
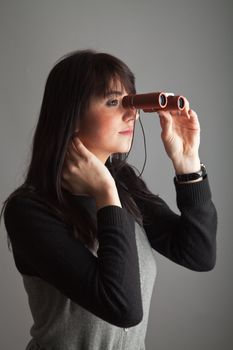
(101, 126)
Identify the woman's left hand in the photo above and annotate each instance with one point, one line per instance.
(181, 138)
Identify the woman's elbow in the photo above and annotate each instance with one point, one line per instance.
(131, 317)
(205, 266)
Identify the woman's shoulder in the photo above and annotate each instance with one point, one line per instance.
(24, 205)
(22, 200)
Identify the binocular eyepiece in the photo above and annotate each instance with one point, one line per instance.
(154, 101)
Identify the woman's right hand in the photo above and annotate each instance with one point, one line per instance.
(83, 172)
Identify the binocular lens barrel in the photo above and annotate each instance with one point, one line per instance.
(154, 101)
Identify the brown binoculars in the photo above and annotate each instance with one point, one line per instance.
(154, 101)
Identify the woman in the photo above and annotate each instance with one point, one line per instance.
(83, 225)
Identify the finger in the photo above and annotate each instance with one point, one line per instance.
(80, 148)
(186, 109)
(165, 117)
(65, 173)
(77, 142)
(66, 165)
(73, 153)
(71, 156)
(186, 104)
(70, 166)
(192, 113)
(194, 117)
(176, 112)
(74, 149)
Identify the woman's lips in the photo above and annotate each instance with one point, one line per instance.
(126, 132)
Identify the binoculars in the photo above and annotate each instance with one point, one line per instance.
(154, 101)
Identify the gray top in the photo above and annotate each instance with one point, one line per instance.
(57, 319)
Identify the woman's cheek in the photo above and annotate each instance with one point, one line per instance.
(98, 130)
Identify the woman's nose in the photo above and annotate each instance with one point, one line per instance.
(131, 113)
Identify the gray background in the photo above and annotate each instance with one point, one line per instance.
(180, 46)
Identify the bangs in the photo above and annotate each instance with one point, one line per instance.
(111, 74)
(112, 82)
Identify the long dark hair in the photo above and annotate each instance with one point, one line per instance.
(73, 80)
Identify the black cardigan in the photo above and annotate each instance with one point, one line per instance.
(109, 285)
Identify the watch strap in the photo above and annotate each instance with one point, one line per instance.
(192, 176)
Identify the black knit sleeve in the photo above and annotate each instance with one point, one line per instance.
(107, 285)
(188, 239)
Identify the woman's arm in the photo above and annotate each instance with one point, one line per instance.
(188, 239)
(107, 286)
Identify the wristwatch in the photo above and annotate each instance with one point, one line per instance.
(192, 176)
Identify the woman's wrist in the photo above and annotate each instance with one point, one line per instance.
(187, 166)
(108, 197)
